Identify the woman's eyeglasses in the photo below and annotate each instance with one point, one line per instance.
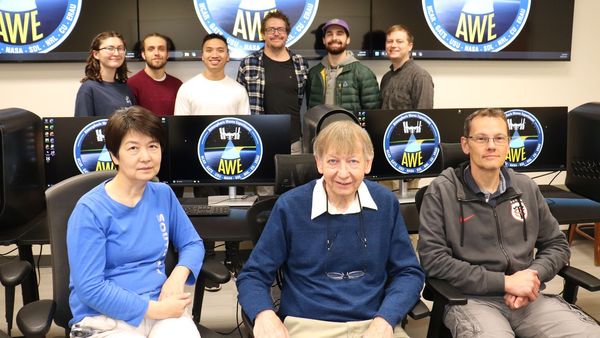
(111, 49)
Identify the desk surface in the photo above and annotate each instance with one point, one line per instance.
(223, 228)
(12, 234)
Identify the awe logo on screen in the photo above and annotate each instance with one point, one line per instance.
(526, 138)
(240, 21)
(27, 26)
(411, 142)
(230, 149)
(476, 25)
(89, 149)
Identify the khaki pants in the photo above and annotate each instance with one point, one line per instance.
(106, 327)
(547, 316)
(312, 328)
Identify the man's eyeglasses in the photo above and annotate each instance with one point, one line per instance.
(111, 49)
(272, 30)
(346, 275)
(481, 139)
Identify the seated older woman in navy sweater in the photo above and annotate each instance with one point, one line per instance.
(117, 241)
(341, 242)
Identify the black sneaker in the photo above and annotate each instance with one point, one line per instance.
(212, 286)
(233, 266)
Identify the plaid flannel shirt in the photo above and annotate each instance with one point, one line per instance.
(251, 75)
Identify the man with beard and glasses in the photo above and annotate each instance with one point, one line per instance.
(340, 79)
(275, 77)
(152, 87)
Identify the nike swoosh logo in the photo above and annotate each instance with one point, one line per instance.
(465, 219)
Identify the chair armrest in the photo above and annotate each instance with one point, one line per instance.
(14, 272)
(215, 271)
(419, 311)
(580, 278)
(439, 289)
(35, 319)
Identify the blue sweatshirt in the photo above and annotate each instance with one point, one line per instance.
(102, 98)
(117, 253)
(297, 244)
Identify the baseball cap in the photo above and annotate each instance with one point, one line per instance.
(338, 22)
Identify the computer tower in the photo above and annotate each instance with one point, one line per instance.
(583, 151)
(22, 165)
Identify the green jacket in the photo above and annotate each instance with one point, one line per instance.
(356, 87)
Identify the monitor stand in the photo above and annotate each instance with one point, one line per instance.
(233, 200)
(404, 196)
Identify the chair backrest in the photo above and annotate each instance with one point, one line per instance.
(452, 155)
(257, 216)
(419, 197)
(61, 198)
(294, 170)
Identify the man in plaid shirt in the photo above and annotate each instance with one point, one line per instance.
(275, 77)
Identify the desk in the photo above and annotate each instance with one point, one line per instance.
(223, 228)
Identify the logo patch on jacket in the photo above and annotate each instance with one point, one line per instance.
(518, 210)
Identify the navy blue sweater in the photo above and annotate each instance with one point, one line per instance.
(297, 244)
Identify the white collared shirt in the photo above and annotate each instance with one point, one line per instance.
(320, 204)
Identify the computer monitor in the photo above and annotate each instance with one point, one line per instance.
(538, 138)
(75, 145)
(226, 150)
(407, 142)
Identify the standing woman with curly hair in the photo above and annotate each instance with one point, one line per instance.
(104, 88)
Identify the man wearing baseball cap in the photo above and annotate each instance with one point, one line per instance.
(340, 79)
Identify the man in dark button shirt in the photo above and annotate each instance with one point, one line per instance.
(406, 85)
(275, 77)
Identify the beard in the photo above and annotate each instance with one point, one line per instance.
(156, 66)
(335, 50)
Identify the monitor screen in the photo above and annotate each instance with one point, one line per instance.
(226, 150)
(54, 30)
(407, 142)
(479, 29)
(61, 30)
(187, 23)
(538, 138)
(75, 145)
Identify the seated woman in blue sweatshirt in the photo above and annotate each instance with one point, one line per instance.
(117, 241)
(348, 265)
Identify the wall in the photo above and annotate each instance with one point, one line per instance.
(49, 89)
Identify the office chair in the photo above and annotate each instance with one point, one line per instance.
(35, 319)
(12, 274)
(292, 171)
(441, 293)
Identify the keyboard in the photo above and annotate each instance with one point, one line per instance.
(193, 200)
(205, 210)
